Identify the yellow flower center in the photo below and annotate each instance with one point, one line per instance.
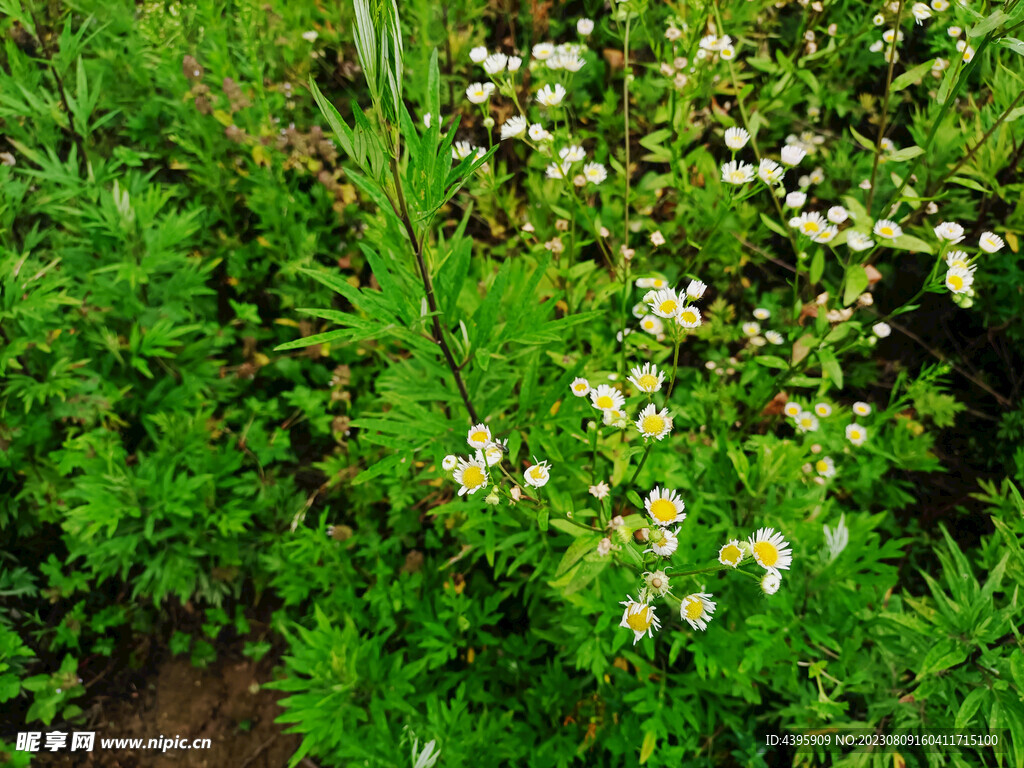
(689, 316)
(663, 510)
(811, 226)
(652, 425)
(821, 466)
(806, 422)
(580, 387)
(537, 473)
(605, 401)
(766, 553)
(659, 283)
(955, 282)
(855, 434)
(668, 307)
(641, 620)
(731, 554)
(479, 437)
(473, 477)
(885, 231)
(648, 381)
(694, 609)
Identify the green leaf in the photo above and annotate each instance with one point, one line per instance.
(583, 545)
(773, 225)
(856, 282)
(969, 707)
(902, 155)
(817, 266)
(864, 141)
(909, 243)
(771, 361)
(647, 746)
(1015, 45)
(912, 75)
(830, 366)
(988, 24)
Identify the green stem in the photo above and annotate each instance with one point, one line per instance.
(883, 119)
(647, 452)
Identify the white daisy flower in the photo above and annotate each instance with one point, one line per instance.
(751, 328)
(940, 5)
(823, 409)
(861, 408)
(959, 280)
(858, 241)
(557, 170)
(665, 303)
(696, 609)
(695, 290)
(580, 387)
(856, 434)
(760, 313)
(735, 172)
(600, 490)
(574, 153)
(613, 417)
(471, 474)
(657, 238)
(543, 51)
(607, 398)
(654, 423)
(647, 378)
(954, 31)
(551, 96)
(888, 229)
(774, 337)
(513, 128)
(666, 544)
(878, 19)
(449, 462)
(968, 54)
(537, 132)
(728, 53)
(806, 422)
(657, 583)
(495, 63)
(653, 325)
(584, 27)
(514, 63)
(920, 12)
(771, 550)
(808, 224)
(882, 330)
(640, 618)
(769, 171)
(796, 200)
(888, 36)
(478, 93)
(825, 466)
(479, 436)
(673, 33)
(951, 231)
(990, 242)
(837, 214)
(771, 582)
(792, 409)
(538, 474)
(595, 173)
(495, 452)
(689, 317)
(478, 54)
(959, 259)
(792, 154)
(665, 507)
(731, 553)
(462, 149)
(736, 138)
(827, 235)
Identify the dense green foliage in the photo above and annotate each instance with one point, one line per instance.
(249, 304)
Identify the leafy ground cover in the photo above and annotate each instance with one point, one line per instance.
(513, 384)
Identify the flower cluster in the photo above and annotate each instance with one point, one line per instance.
(473, 473)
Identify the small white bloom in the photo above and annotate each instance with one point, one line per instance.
(806, 422)
(735, 172)
(689, 317)
(856, 434)
(949, 230)
(449, 462)
(769, 171)
(640, 618)
(580, 387)
(825, 467)
(551, 96)
(771, 582)
(538, 475)
(543, 51)
(823, 409)
(584, 27)
(792, 154)
(574, 153)
(731, 553)
(478, 54)
(736, 138)
(471, 475)
(495, 63)
(954, 31)
(514, 63)
(538, 133)
(837, 214)
(774, 337)
(990, 242)
(595, 173)
(479, 436)
(881, 330)
(888, 229)
(665, 507)
(858, 241)
(663, 542)
(606, 398)
(654, 423)
(647, 378)
(513, 128)
(861, 408)
(696, 609)
(837, 540)
(762, 314)
(657, 238)
(695, 289)
(770, 549)
(959, 279)
(600, 490)
(920, 12)
(478, 93)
